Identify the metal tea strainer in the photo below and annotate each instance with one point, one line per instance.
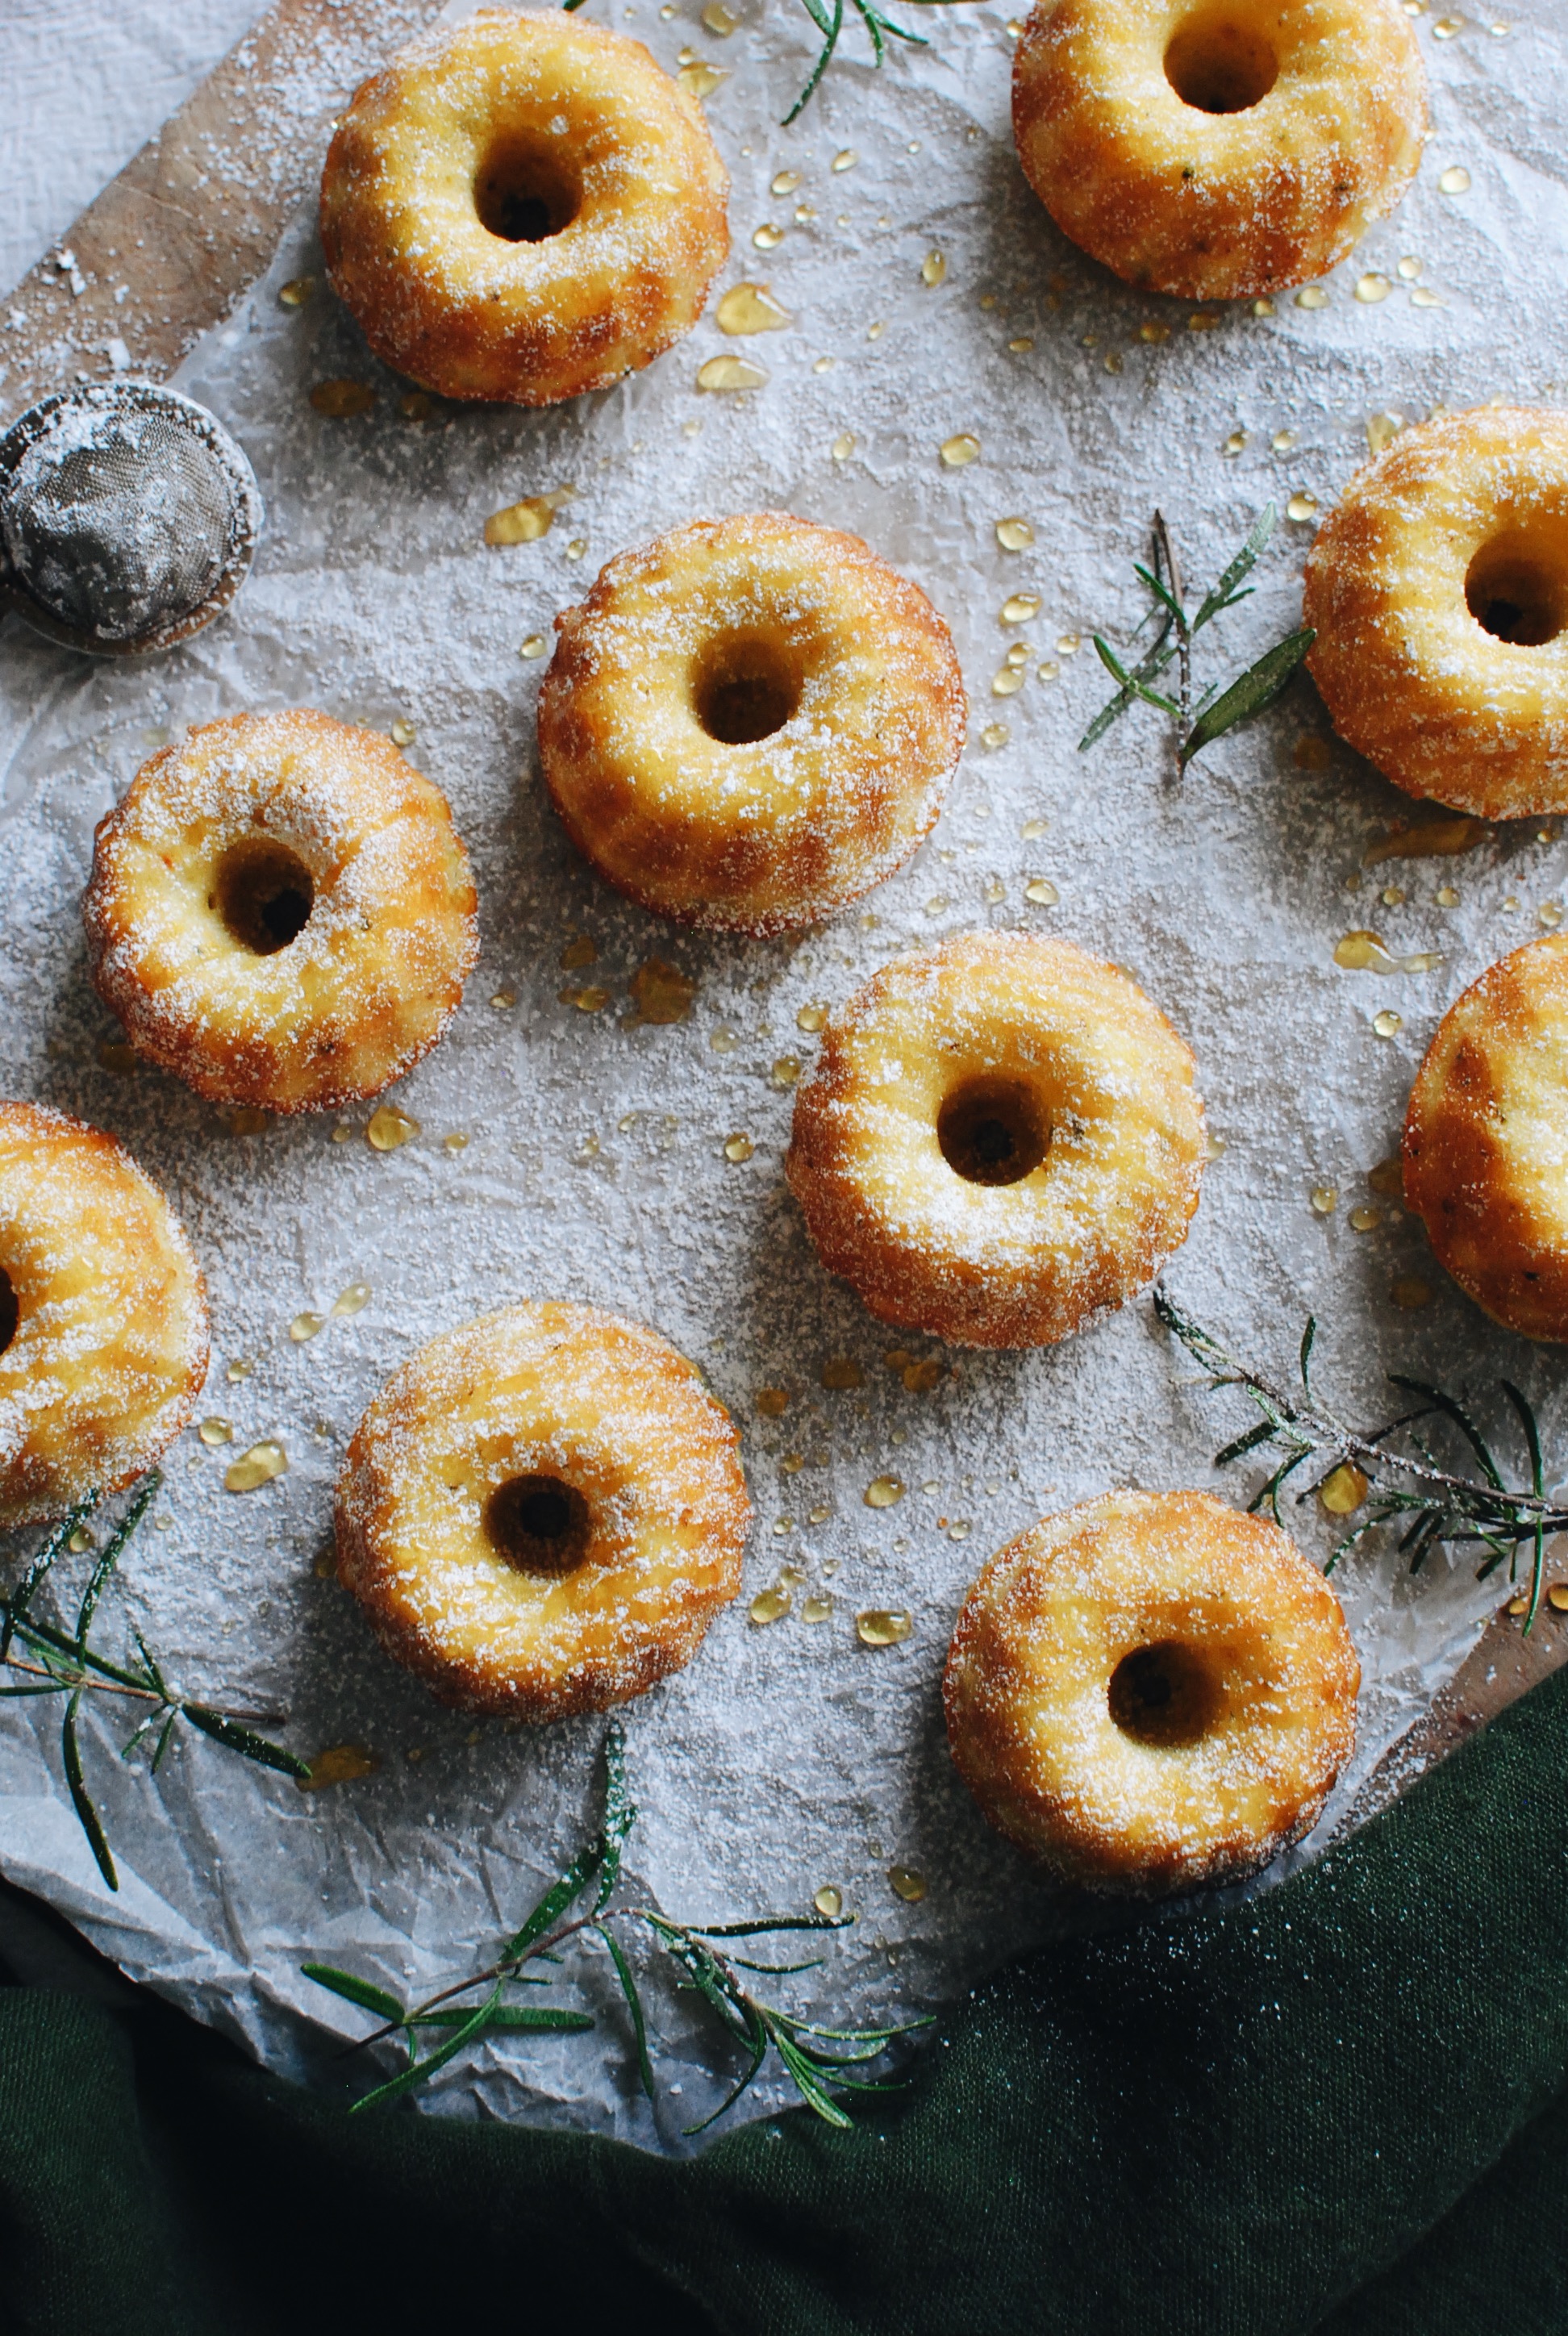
(128, 517)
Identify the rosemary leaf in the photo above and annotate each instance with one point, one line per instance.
(633, 2004)
(1223, 593)
(245, 1741)
(1253, 693)
(164, 1740)
(772, 1922)
(555, 1902)
(515, 2018)
(1131, 681)
(109, 1556)
(70, 1752)
(620, 1811)
(1262, 1434)
(759, 2054)
(1441, 1401)
(419, 2072)
(809, 2084)
(362, 1991)
(1307, 1338)
(43, 1557)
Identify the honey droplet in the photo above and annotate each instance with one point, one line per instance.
(934, 268)
(1283, 441)
(844, 447)
(787, 182)
(216, 1430)
(1454, 180)
(819, 1516)
(738, 1147)
(1033, 829)
(907, 1884)
(792, 1462)
(1205, 321)
(768, 237)
(840, 1371)
(1311, 296)
(248, 1121)
(829, 1900)
(880, 1627)
(342, 1133)
(1019, 608)
(817, 1607)
(1366, 1220)
(589, 999)
(1023, 345)
(1550, 914)
(534, 647)
(995, 734)
(883, 1493)
(772, 1402)
(920, 1379)
(239, 1368)
(404, 733)
(296, 291)
(256, 1468)
(1362, 952)
(113, 1055)
(811, 1018)
(996, 890)
(846, 159)
(305, 1326)
(1008, 683)
(1410, 267)
(1447, 27)
(1392, 896)
(1302, 506)
(1435, 839)
(723, 1041)
(1448, 896)
(719, 20)
(81, 1539)
(1410, 1292)
(1382, 429)
(1518, 1606)
(1326, 1198)
(1153, 330)
(416, 405)
(340, 1764)
(1422, 297)
(580, 951)
(1017, 655)
(389, 1128)
(1387, 1025)
(1263, 306)
(1015, 534)
(1236, 442)
(960, 449)
(822, 365)
(455, 1142)
(661, 993)
(503, 1000)
(1557, 1596)
(786, 1071)
(341, 400)
(1343, 1490)
(1372, 287)
(769, 1605)
(523, 522)
(725, 374)
(1068, 644)
(1042, 893)
(700, 79)
(750, 308)
(354, 1298)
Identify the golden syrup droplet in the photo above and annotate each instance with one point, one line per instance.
(1008, 683)
(340, 401)
(1236, 442)
(772, 1402)
(934, 268)
(844, 447)
(995, 734)
(829, 1900)
(1366, 1220)
(961, 448)
(880, 1627)
(738, 1147)
(769, 1606)
(819, 1516)
(296, 291)
(905, 1883)
(817, 1607)
(1387, 1025)
(81, 1539)
(723, 373)
(750, 308)
(589, 999)
(503, 1000)
(1362, 952)
(113, 1055)
(305, 1326)
(1557, 1596)
(822, 365)
(575, 550)
(1372, 287)
(1283, 441)
(239, 1368)
(1153, 330)
(1033, 829)
(846, 159)
(1068, 644)
(354, 1298)
(1392, 896)
(768, 237)
(580, 951)
(1550, 914)
(523, 522)
(1382, 429)
(661, 993)
(248, 1121)
(416, 405)
(1311, 296)
(340, 1764)
(719, 20)
(455, 1142)
(403, 732)
(1410, 267)
(786, 183)
(874, 332)
(842, 1372)
(1302, 506)
(1017, 655)
(700, 79)
(216, 1430)
(1326, 1198)
(1410, 1292)
(786, 1071)
(534, 647)
(811, 1018)
(1422, 297)
(1019, 608)
(883, 1493)
(389, 1128)
(1343, 1490)
(1042, 893)
(1015, 534)
(1448, 896)
(1454, 180)
(1519, 1605)
(256, 1468)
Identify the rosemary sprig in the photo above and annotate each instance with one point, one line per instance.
(1217, 710)
(828, 16)
(1432, 1503)
(815, 2058)
(48, 1660)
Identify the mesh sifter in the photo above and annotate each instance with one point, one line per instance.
(128, 517)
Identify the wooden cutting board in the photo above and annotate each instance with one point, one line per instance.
(163, 254)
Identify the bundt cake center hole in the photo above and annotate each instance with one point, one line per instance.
(1164, 1694)
(1517, 588)
(993, 1132)
(264, 894)
(744, 689)
(10, 1311)
(539, 1523)
(525, 193)
(1218, 63)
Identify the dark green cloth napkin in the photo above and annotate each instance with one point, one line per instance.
(1342, 2108)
